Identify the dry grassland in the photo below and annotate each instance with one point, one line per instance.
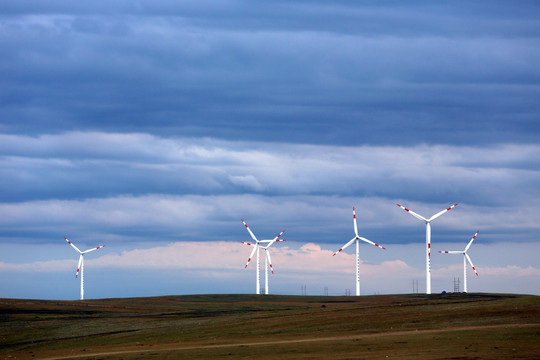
(449, 326)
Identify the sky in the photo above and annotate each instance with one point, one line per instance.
(153, 127)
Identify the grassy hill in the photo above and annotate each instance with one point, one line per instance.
(443, 326)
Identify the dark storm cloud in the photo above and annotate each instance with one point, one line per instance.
(288, 72)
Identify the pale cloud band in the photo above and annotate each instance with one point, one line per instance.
(136, 163)
(308, 263)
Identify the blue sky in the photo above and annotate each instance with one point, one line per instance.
(153, 127)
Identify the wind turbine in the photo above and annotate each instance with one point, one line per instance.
(81, 263)
(355, 239)
(465, 258)
(264, 244)
(428, 240)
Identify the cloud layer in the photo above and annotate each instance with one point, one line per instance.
(153, 126)
(115, 186)
(303, 72)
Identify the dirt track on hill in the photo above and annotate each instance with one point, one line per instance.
(176, 347)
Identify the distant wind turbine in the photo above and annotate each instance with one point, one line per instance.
(428, 240)
(81, 263)
(356, 238)
(465, 258)
(263, 244)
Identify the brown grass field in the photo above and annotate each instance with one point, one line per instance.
(442, 326)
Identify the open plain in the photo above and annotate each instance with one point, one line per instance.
(443, 326)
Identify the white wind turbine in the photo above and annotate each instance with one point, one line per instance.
(81, 263)
(465, 258)
(264, 244)
(356, 238)
(428, 240)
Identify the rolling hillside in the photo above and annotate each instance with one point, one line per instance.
(445, 326)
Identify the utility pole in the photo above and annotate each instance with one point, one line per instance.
(415, 286)
(456, 285)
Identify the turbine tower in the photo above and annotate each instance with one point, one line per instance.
(263, 244)
(81, 263)
(268, 263)
(428, 240)
(355, 239)
(465, 258)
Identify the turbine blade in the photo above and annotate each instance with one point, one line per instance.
(442, 212)
(451, 252)
(275, 239)
(470, 262)
(354, 221)
(93, 249)
(246, 243)
(344, 246)
(371, 242)
(249, 230)
(72, 245)
(251, 256)
(413, 213)
(470, 242)
(79, 265)
(269, 260)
